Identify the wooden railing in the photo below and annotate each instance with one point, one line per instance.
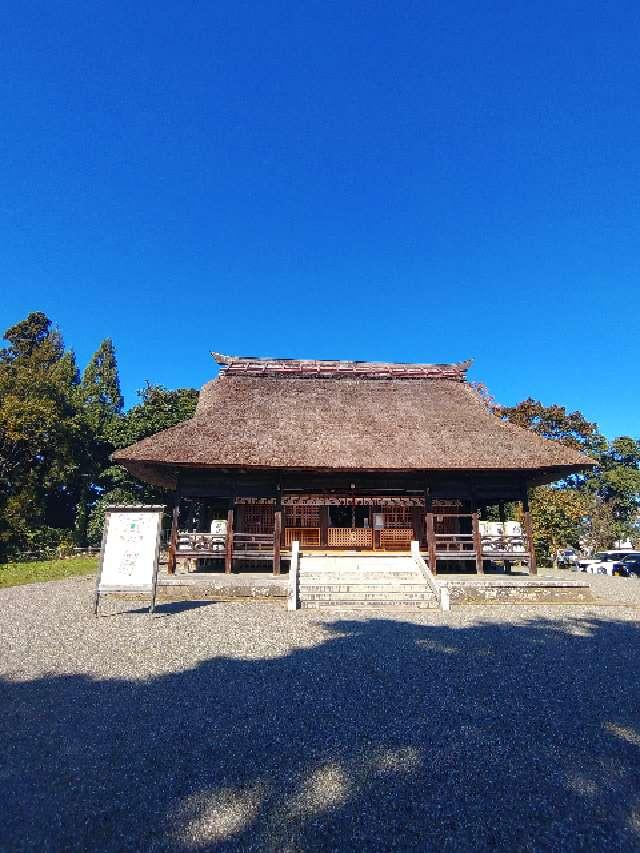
(253, 546)
(200, 543)
(494, 546)
(308, 537)
(454, 544)
(350, 537)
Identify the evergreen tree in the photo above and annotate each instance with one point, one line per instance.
(158, 409)
(41, 433)
(100, 389)
(101, 404)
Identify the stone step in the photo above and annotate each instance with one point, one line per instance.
(381, 597)
(359, 577)
(357, 567)
(346, 586)
(363, 582)
(372, 564)
(348, 570)
(414, 605)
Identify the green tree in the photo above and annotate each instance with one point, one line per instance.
(158, 409)
(100, 390)
(41, 432)
(101, 404)
(558, 517)
(595, 508)
(555, 423)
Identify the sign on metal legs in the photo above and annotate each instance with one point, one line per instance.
(130, 551)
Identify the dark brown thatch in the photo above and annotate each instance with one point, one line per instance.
(338, 416)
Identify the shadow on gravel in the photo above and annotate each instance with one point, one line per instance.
(389, 735)
(171, 608)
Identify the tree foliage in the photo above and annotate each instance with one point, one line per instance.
(594, 509)
(555, 423)
(100, 390)
(42, 433)
(57, 432)
(158, 409)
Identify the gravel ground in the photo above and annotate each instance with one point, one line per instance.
(621, 591)
(244, 727)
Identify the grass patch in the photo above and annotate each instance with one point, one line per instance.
(15, 574)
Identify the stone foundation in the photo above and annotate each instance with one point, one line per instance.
(523, 591)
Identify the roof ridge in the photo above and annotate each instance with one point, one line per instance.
(338, 368)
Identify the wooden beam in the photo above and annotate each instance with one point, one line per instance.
(477, 542)
(277, 534)
(431, 543)
(417, 522)
(503, 518)
(431, 539)
(173, 541)
(228, 556)
(324, 526)
(528, 529)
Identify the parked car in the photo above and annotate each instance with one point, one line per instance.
(604, 560)
(585, 564)
(628, 568)
(566, 558)
(611, 559)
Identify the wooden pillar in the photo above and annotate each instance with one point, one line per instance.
(417, 522)
(324, 526)
(228, 555)
(477, 541)
(431, 539)
(528, 529)
(173, 540)
(277, 536)
(503, 518)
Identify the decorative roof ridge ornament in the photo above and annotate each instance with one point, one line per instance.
(336, 369)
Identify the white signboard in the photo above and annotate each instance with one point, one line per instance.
(500, 528)
(130, 551)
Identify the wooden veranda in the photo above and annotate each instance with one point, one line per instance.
(258, 530)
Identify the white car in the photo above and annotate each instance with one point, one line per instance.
(566, 558)
(603, 562)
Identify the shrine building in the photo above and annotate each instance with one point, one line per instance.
(346, 456)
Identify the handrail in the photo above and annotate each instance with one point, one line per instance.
(440, 590)
(494, 544)
(294, 566)
(186, 541)
(454, 543)
(453, 535)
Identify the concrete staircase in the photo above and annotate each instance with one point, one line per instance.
(363, 581)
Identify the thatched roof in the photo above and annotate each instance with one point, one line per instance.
(278, 413)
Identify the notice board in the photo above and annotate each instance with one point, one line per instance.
(130, 551)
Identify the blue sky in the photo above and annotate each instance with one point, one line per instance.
(403, 181)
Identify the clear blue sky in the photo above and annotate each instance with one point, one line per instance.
(404, 181)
